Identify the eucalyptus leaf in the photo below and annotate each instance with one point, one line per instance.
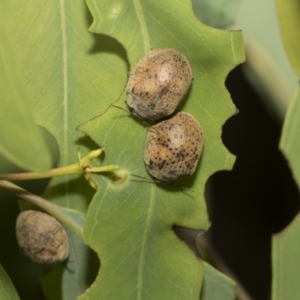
(130, 225)
(21, 141)
(7, 290)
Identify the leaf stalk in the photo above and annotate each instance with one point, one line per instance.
(82, 167)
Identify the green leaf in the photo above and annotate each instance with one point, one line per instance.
(217, 286)
(289, 19)
(21, 140)
(7, 290)
(51, 283)
(76, 269)
(71, 76)
(285, 245)
(290, 142)
(67, 73)
(129, 223)
(285, 252)
(286, 262)
(74, 221)
(71, 218)
(216, 13)
(81, 269)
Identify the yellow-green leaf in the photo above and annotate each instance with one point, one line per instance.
(289, 19)
(130, 224)
(21, 141)
(216, 13)
(7, 290)
(290, 142)
(67, 72)
(286, 262)
(285, 245)
(217, 286)
(73, 76)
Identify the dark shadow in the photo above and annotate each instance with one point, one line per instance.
(186, 97)
(257, 198)
(189, 236)
(21, 271)
(104, 43)
(93, 266)
(87, 142)
(23, 274)
(76, 186)
(184, 185)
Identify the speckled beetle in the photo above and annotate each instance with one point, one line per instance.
(173, 147)
(41, 237)
(158, 84)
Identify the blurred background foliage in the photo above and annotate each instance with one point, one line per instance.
(246, 205)
(259, 196)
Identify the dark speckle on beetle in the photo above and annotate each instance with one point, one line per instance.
(173, 147)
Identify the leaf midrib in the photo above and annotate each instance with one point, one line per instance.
(146, 42)
(144, 243)
(65, 90)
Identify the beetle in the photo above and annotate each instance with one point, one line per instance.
(173, 147)
(41, 237)
(158, 84)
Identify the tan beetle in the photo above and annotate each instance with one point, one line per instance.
(173, 147)
(158, 84)
(41, 237)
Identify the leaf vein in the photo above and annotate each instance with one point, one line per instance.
(144, 30)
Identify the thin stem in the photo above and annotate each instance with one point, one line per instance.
(108, 168)
(204, 243)
(71, 169)
(72, 219)
(82, 167)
